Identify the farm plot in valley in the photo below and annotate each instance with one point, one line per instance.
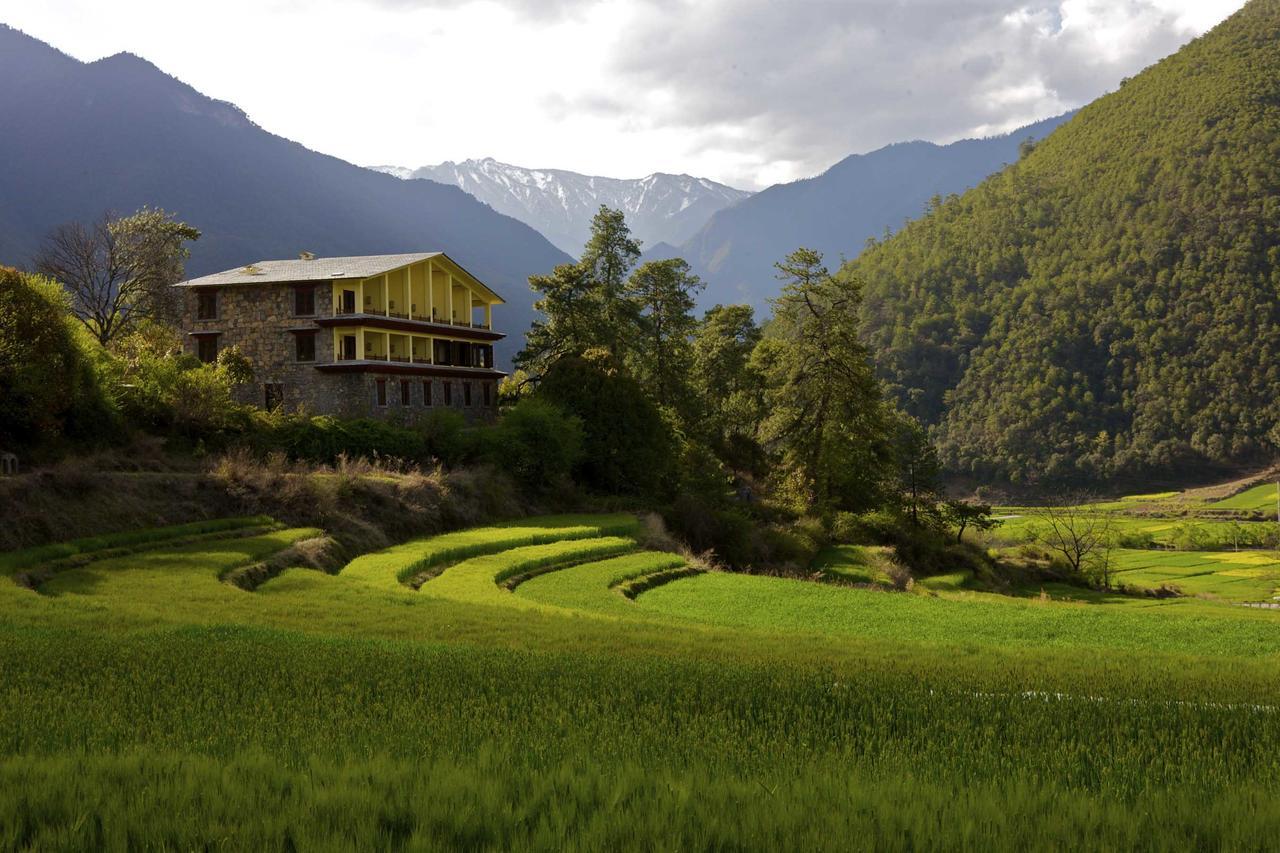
(516, 685)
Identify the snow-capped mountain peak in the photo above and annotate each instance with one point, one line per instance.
(660, 207)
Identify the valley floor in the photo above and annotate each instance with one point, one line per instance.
(552, 684)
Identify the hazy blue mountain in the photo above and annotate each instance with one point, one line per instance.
(560, 204)
(79, 138)
(837, 211)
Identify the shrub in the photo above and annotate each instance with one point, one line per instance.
(325, 439)
(536, 443)
(628, 446)
(447, 438)
(161, 389)
(48, 386)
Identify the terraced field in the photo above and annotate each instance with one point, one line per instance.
(551, 683)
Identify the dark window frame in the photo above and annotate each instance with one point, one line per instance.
(488, 394)
(273, 395)
(406, 395)
(214, 297)
(299, 292)
(426, 392)
(203, 341)
(467, 397)
(381, 386)
(448, 392)
(299, 348)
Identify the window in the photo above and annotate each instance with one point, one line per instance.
(348, 302)
(207, 305)
(382, 392)
(448, 393)
(442, 352)
(348, 347)
(466, 393)
(207, 348)
(273, 395)
(304, 301)
(426, 392)
(304, 344)
(404, 392)
(488, 394)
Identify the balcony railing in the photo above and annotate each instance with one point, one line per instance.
(440, 321)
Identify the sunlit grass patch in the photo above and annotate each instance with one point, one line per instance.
(88, 547)
(1260, 497)
(478, 579)
(592, 587)
(400, 564)
(856, 564)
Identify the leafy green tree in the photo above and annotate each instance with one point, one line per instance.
(118, 270)
(628, 447)
(664, 292)
(919, 470)
(963, 515)
(826, 416)
(586, 305)
(537, 443)
(728, 386)
(161, 389)
(48, 385)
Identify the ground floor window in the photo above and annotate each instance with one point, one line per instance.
(466, 393)
(448, 393)
(404, 392)
(273, 395)
(382, 392)
(426, 392)
(488, 394)
(207, 348)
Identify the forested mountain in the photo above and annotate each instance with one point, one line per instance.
(79, 138)
(838, 211)
(560, 204)
(1110, 304)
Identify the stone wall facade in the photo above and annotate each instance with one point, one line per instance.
(261, 321)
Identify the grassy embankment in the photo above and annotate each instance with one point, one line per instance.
(713, 711)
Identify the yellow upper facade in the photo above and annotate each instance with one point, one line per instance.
(433, 290)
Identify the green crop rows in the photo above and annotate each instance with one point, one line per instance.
(147, 704)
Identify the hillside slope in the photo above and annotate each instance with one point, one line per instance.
(836, 212)
(1108, 305)
(118, 133)
(560, 204)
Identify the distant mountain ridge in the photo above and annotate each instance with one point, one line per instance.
(80, 138)
(1109, 306)
(836, 212)
(660, 208)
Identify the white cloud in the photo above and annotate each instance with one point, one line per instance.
(748, 91)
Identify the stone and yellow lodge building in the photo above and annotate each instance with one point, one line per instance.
(376, 335)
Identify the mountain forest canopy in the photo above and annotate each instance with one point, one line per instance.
(1107, 306)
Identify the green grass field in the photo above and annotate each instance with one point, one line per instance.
(1258, 498)
(519, 700)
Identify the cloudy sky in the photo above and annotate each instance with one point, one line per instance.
(750, 92)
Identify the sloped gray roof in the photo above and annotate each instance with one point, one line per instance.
(317, 269)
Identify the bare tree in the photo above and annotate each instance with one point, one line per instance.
(1082, 537)
(119, 269)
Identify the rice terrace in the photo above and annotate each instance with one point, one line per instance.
(513, 685)
(898, 470)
